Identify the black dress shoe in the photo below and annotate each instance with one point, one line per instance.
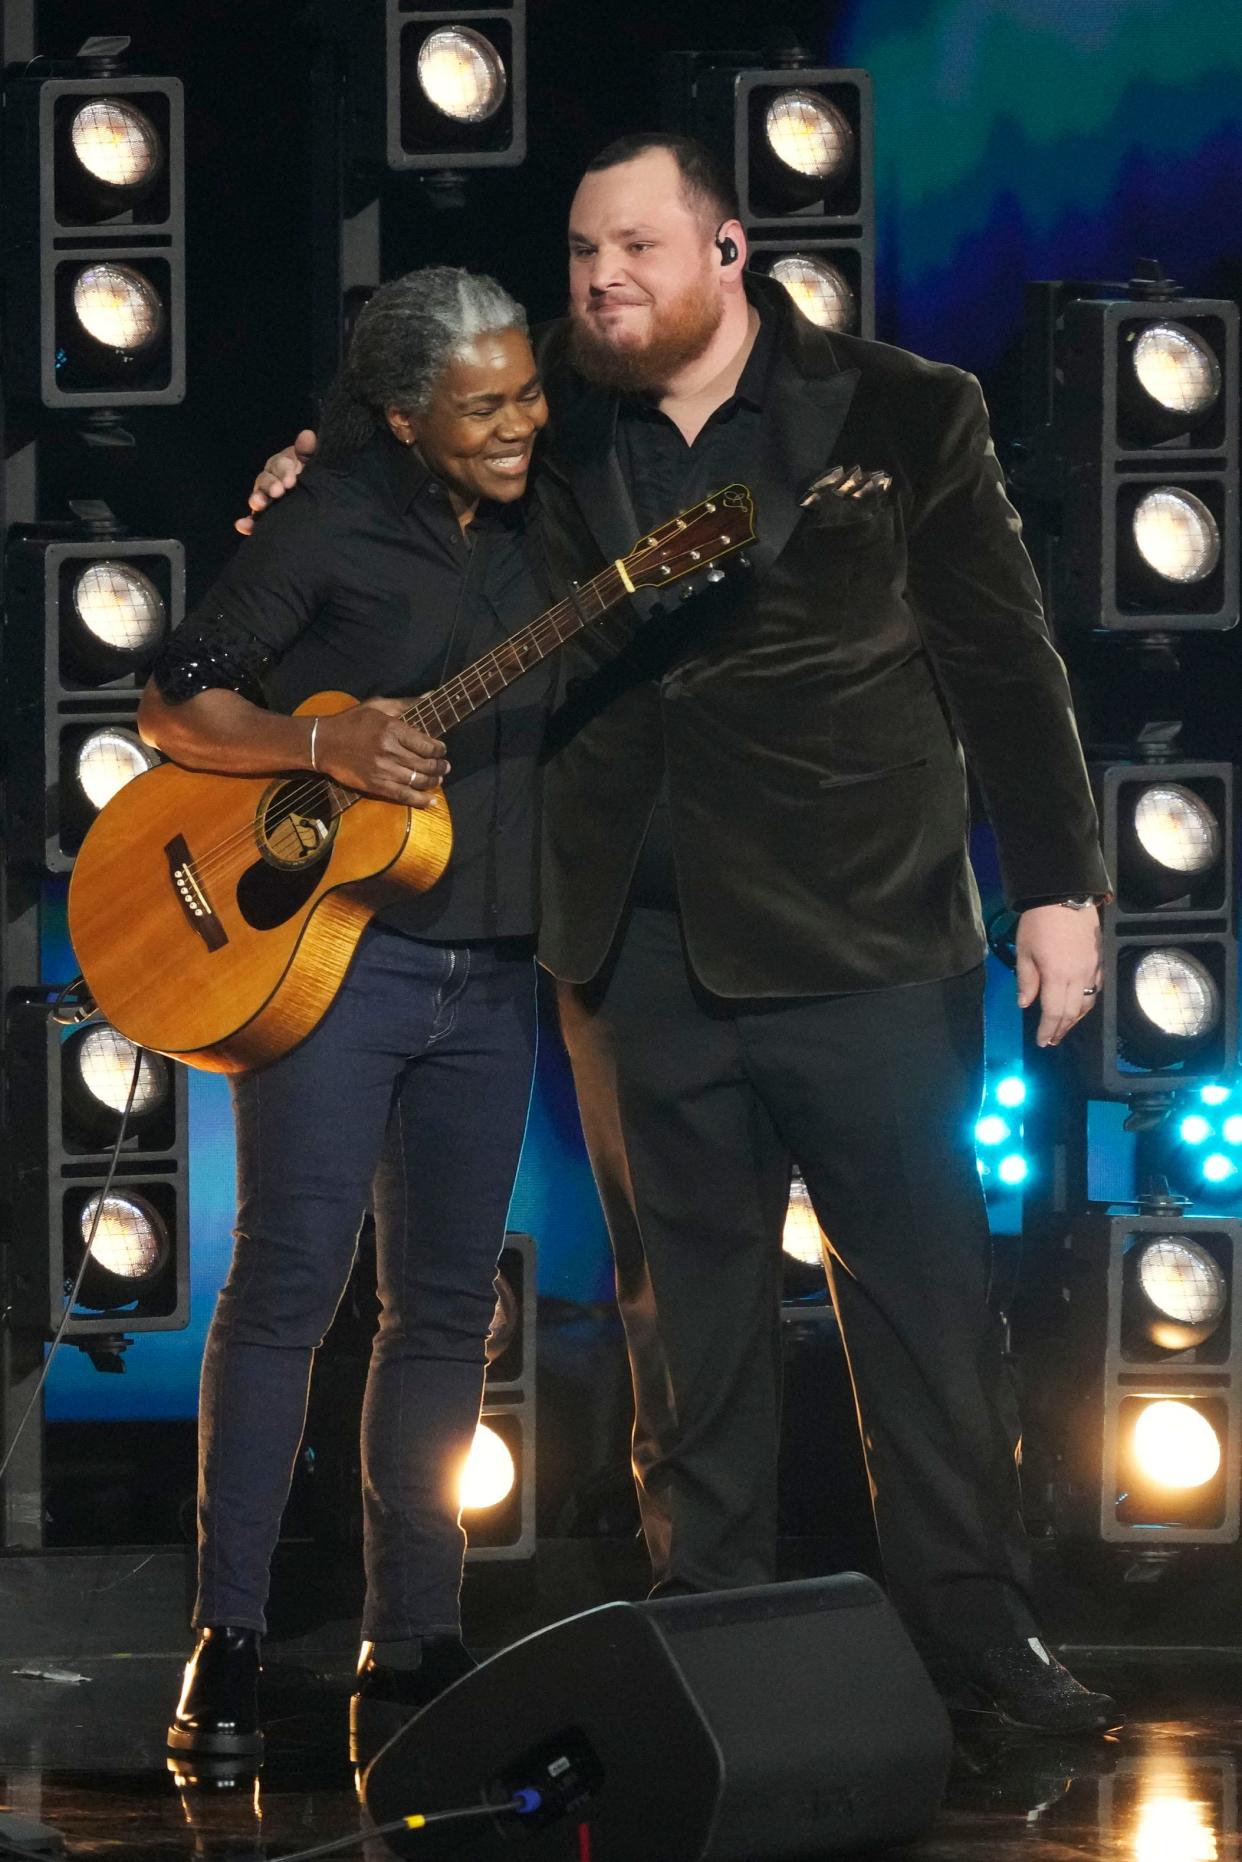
(1025, 1685)
(387, 1698)
(218, 1713)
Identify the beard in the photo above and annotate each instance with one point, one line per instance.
(680, 332)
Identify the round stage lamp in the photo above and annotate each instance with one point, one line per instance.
(1170, 380)
(489, 1473)
(1013, 1170)
(1217, 1168)
(1011, 1091)
(116, 619)
(1214, 1094)
(118, 307)
(1169, 841)
(129, 1251)
(1176, 536)
(1194, 1129)
(809, 136)
(1168, 1005)
(991, 1129)
(818, 289)
(1176, 1294)
(461, 74)
(111, 157)
(107, 760)
(97, 1066)
(1175, 1445)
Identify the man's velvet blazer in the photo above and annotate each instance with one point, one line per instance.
(815, 720)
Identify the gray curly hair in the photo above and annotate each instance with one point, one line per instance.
(404, 339)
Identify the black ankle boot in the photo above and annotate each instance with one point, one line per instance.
(218, 1713)
(387, 1698)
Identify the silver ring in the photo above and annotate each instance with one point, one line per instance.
(1093, 991)
(413, 778)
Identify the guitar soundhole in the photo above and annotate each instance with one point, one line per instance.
(295, 828)
(297, 824)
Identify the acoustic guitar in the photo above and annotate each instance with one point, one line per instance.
(214, 917)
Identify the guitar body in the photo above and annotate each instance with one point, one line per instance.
(214, 917)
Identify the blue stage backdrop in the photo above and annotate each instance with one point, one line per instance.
(1016, 139)
(1021, 139)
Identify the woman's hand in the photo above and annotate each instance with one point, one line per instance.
(371, 748)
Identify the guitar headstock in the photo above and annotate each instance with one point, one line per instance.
(695, 539)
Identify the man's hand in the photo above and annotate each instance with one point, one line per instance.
(1059, 961)
(371, 749)
(277, 477)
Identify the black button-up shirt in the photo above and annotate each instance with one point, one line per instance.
(664, 475)
(362, 581)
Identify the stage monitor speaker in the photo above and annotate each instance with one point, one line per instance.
(788, 1720)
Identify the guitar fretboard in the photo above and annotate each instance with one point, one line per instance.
(480, 682)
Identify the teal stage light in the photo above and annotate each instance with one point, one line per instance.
(1213, 1095)
(1013, 1169)
(1195, 1129)
(1217, 1168)
(991, 1130)
(1011, 1091)
(1231, 1130)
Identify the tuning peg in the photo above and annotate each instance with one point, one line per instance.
(715, 574)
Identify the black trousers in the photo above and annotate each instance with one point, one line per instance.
(693, 1109)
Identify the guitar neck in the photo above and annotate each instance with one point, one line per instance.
(482, 681)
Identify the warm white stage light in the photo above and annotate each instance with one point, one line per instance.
(115, 142)
(809, 134)
(130, 1240)
(105, 1061)
(1177, 369)
(1176, 534)
(117, 306)
(1181, 1280)
(109, 759)
(489, 1473)
(818, 289)
(120, 606)
(1176, 993)
(461, 74)
(1175, 1445)
(1176, 828)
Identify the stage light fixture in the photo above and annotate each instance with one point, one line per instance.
(1194, 1129)
(810, 135)
(1136, 1406)
(1176, 377)
(1132, 464)
(434, 87)
(1011, 1091)
(819, 289)
(66, 1092)
(461, 74)
(118, 146)
(123, 615)
(94, 163)
(97, 1065)
(88, 609)
(489, 1474)
(1178, 1292)
(1013, 1169)
(1168, 1010)
(801, 1238)
(796, 139)
(109, 759)
(1231, 1130)
(1175, 1444)
(1217, 1168)
(991, 1129)
(1213, 1094)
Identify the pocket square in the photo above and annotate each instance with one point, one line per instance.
(847, 483)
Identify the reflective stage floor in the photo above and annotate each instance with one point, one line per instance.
(86, 1758)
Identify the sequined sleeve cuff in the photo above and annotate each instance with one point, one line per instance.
(212, 653)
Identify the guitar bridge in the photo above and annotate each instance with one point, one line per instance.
(191, 895)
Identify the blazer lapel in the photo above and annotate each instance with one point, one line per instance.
(805, 404)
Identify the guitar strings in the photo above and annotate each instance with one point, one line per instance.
(218, 859)
(237, 849)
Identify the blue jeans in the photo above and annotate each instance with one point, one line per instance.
(413, 1092)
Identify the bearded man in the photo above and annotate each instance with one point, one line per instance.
(758, 899)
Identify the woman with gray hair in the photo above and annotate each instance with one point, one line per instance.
(403, 555)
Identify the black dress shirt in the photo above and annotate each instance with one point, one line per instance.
(361, 580)
(663, 475)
